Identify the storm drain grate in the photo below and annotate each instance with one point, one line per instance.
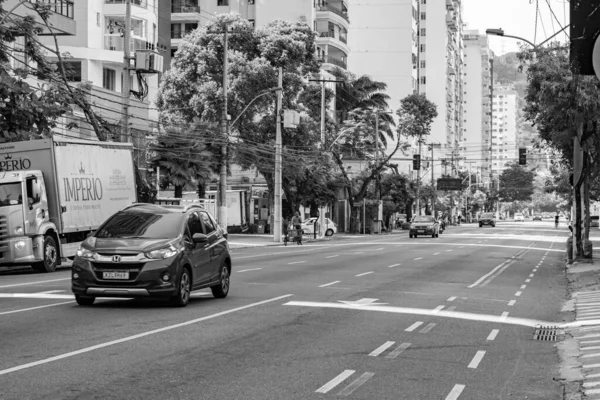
(546, 333)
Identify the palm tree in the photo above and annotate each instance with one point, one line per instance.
(183, 157)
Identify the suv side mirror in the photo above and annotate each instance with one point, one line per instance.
(200, 238)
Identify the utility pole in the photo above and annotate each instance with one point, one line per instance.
(125, 90)
(432, 185)
(278, 171)
(222, 198)
(491, 122)
(419, 182)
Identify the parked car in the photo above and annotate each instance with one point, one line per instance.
(148, 250)
(487, 219)
(519, 217)
(595, 221)
(537, 217)
(424, 225)
(309, 225)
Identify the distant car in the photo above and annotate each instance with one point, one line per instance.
(424, 225)
(487, 219)
(149, 250)
(309, 225)
(595, 221)
(519, 217)
(537, 217)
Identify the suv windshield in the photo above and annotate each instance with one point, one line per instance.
(423, 218)
(10, 194)
(132, 224)
(487, 215)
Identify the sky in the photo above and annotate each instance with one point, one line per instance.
(516, 18)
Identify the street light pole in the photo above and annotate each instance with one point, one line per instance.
(278, 172)
(419, 182)
(126, 89)
(222, 199)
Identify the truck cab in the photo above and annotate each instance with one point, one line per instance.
(27, 236)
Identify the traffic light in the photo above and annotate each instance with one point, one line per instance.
(585, 25)
(522, 156)
(417, 162)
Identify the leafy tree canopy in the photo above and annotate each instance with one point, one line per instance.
(516, 183)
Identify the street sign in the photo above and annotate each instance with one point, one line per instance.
(449, 184)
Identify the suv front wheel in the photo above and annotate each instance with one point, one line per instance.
(182, 298)
(221, 289)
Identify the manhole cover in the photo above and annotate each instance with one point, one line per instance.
(546, 333)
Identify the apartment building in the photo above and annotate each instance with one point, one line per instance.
(476, 101)
(504, 129)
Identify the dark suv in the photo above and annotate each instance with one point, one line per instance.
(151, 250)
(487, 219)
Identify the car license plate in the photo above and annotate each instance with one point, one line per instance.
(115, 275)
(421, 231)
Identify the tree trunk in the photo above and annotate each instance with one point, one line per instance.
(314, 210)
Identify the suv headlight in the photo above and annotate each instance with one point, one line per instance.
(163, 253)
(85, 253)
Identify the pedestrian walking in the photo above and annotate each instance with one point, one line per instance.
(556, 221)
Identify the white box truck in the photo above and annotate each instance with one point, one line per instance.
(54, 192)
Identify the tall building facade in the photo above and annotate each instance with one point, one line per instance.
(504, 129)
(476, 101)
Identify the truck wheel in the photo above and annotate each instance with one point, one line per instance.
(50, 254)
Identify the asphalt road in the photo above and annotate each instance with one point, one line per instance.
(377, 317)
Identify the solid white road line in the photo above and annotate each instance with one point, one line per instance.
(337, 255)
(35, 283)
(35, 308)
(455, 392)
(427, 328)
(413, 326)
(518, 294)
(330, 283)
(451, 298)
(381, 349)
(335, 381)
(418, 258)
(394, 265)
(51, 291)
(512, 302)
(493, 334)
(437, 309)
(46, 296)
(138, 336)
(364, 273)
(297, 262)
(356, 384)
(504, 316)
(477, 359)
(398, 350)
(251, 269)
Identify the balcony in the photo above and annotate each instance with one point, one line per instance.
(139, 3)
(338, 62)
(116, 43)
(181, 8)
(335, 10)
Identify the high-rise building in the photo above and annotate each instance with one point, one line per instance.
(476, 101)
(504, 129)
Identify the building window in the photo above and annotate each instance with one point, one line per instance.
(253, 22)
(221, 3)
(176, 31)
(98, 19)
(423, 64)
(109, 77)
(422, 47)
(72, 70)
(250, 2)
(423, 1)
(423, 32)
(190, 27)
(423, 16)
(423, 80)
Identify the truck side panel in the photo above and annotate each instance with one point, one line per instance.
(94, 182)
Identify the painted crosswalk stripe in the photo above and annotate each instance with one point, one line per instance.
(335, 381)
(493, 334)
(589, 341)
(512, 302)
(590, 376)
(413, 326)
(428, 328)
(591, 391)
(518, 293)
(593, 355)
(455, 392)
(381, 349)
(394, 265)
(330, 283)
(590, 366)
(364, 273)
(356, 384)
(477, 359)
(591, 384)
(589, 348)
(398, 350)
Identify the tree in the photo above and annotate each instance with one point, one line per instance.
(416, 114)
(395, 194)
(516, 183)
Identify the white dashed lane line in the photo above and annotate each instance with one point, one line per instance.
(330, 283)
(493, 334)
(518, 294)
(296, 262)
(248, 270)
(394, 265)
(523, 286)
(398, 350)
(336, 255)
(512, 303)
(364, 273)
(356, 384)
(451, 298)
(435, 254)
(335, 381)
(414, 326)
(455, 392)
(428, 327)
(504, 316)
(437, 309)
(477, 359)
(418, 258)
(381, 349)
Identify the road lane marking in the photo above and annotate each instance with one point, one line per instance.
(592, 376)
(364, 273)
(418, 258)
(379, 249)
(527, 280)
(356, 384)
(427, 328)
(394, 265)
(461, 247)
(251, 269)
(589, 342)
(359, 252)
(523, 286)
(438, 308)
(398, 350)
(477, 359)
(451, 298)
(504, 316)
(531, 275)
(47, 296)
(594, 355)
(51, 292)
(381, 349)
(589, 348)
(449, 250)
(518, 293)
(591, 366)
(413, 326)
(35, 283)
(499, 269)
(455, 392)
(138, 336)
(335, 381)
(512, 303)
(297, 262)
(337, 255)
(330, 283)
(435, 254)
(493, 334)
(35, 308)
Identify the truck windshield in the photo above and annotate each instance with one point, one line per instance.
(10, 194)
(142, 225)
